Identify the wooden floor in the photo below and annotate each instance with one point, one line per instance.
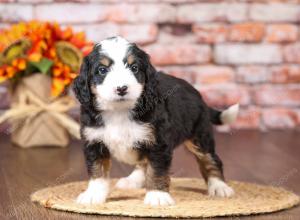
(264, 158)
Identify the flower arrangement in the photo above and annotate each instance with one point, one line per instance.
(42, 47)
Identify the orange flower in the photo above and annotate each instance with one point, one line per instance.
(19, 64)
(73, 75)
(87, 49)
(11, 72)
(35, 57)
(52, 53)
(66, 34)
(42, 38)
(78, 40)
(58, 87)
(57, 71)
(2, 75)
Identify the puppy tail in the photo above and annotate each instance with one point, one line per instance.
(224, 117)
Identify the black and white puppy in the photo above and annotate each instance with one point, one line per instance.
(137, 115)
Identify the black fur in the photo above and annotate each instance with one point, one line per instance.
(173, 107)
(94, 152)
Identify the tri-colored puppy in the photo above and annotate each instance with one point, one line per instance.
(138, 115)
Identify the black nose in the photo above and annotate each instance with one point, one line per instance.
(122, 90)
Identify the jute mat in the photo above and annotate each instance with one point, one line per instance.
(190, 196)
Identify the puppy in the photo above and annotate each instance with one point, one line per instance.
(138, 115)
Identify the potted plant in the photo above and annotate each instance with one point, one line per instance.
(39, 60)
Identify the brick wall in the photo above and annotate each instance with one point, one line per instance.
(245, 51)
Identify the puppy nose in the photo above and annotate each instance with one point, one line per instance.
(122, 90)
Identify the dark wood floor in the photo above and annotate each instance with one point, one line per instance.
(264, 158)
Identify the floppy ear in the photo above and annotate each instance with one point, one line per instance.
(81, 85)
(150, 98)
(151, 78)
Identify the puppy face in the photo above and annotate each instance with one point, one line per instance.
(118, 80)
(114, 75)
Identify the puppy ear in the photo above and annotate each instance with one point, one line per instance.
(151, 74)
(81, 85)
(150, 92)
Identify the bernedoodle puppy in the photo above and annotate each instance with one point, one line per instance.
(138, 115)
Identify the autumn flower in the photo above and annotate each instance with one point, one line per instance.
(43, 47)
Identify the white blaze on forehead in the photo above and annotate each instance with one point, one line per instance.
(115, 48)
(119, 74)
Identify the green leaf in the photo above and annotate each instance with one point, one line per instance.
(43, 65)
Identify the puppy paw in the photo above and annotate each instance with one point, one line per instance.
(217, 187)
(158, 198)
(134, 181)
(96, 193)
(128, 183)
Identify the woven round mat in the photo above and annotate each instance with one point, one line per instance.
(190, 196)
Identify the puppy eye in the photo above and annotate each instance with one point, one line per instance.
(102, 70)
(134, 68)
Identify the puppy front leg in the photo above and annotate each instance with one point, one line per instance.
(158, 181)
(98, 165)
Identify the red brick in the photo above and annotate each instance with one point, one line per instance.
(273, 1)
(210, 12)
(179, 54)
(288, 95)
(79, 1)
(71, 12)
(291, 53)
(214, 74)
(279, 118)
(285, 74)
(187, 73)
(136, 13)
(248, 118)
(15, 12)
(224, 95)
(99, 32)
(35, 1)
(210, 33)
(141, 34)
(247, 32)
(247, 54)
(252, 74)
(280, 33)
(165, 37)
(274, 12)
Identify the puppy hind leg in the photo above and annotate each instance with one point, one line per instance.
(135, 180)
(210, 165)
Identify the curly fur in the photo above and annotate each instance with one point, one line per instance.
(169, 109)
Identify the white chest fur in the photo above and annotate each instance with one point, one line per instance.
(119, 134)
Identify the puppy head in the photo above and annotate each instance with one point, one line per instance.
(114, 76)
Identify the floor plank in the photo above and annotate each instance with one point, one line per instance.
(266, 158)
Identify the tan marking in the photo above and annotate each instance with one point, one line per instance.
(101, 168)
(205, 162)
(154, 182)
(106, 165)
(130, 59)
(105, 61)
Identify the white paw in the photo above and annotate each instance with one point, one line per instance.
(96, 193)
(217, 187)
(128, 183)
(158, 198)
(134, 181)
